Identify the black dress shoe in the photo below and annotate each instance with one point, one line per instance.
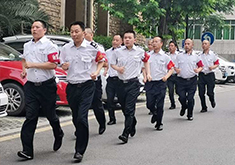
(159, 127)
(172, 107)
(182, 112)
(78, 157)
(123, 138)
(213, 104)
(111, 122)
(153, 119)
(101, 130)
(203, 110)
(58, 142)
(24, 155)
(133, 131)
(190, 118)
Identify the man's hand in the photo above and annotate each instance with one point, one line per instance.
(23, 74)
(94, 76)
(65, 66)
(211, 67)
(177, 70)
(149, 77)
(164, 79)
(28, 65)
(121, 69)
(105, 73)
(197, 70)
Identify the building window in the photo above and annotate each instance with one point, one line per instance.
(226, 31)
(197, 32)
(232, 32)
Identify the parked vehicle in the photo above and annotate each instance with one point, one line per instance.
(17, 42)
(230, 68)
(10, 69)
(221, 74)
(3, 102)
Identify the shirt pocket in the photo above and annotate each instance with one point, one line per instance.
(137, 61)
(87, 61)
(160, 64)
(42, 56)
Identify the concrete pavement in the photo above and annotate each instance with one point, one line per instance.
(207, 140)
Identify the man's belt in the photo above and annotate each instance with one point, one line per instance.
(82, 84)
(114, 78)
(130, 80)
(43, 82)
(188, 79)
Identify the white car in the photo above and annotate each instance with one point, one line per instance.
(230, 68)
(221, 74)
(3, 102)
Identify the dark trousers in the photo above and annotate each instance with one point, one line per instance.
(111, 90)
(97, 104)
(80, 97)
(155, 92)
(186, 90)
(127, 97)
(40, 97)
(172, 87)
(206, 81)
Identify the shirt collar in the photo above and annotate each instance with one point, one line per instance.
(134, 47)
(192, 53)
(115, 48)
(84, 43)
(41, 40)
(161, 52)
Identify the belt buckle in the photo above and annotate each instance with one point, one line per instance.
(79, 85)
(37, 84)
(125, 81)
(188, 79)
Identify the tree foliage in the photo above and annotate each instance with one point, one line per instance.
(17, 14)
(166, 15)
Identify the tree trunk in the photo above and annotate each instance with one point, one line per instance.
(186, 30)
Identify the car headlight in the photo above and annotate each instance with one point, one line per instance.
(231, 67)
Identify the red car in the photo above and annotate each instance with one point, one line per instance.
(10, 69)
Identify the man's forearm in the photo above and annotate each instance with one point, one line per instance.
(147, 68)
(46, 65)
(99, 67)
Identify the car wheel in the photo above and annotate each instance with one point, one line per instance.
(16, 100)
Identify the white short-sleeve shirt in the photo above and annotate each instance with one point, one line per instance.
(109, 53)
(159, 64)
(39, 52)
(208, 60)
(131, 60)
(187, 63)
(83, 61)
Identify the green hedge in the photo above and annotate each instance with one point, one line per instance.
(104, 40)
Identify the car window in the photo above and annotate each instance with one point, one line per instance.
(19, 46)
(59, 43)
(8, 54)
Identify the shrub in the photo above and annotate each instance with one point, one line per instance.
(104, 40)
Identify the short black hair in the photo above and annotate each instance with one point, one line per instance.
(173, 42)
(44, 24)
(161, 38)
(130, 31)
(118, 35)
(80, 23)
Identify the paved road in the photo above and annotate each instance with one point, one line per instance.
(207, 140)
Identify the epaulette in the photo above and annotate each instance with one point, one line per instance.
(95, 45)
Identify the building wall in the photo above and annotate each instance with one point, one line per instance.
(53, 9)
(116, 26)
